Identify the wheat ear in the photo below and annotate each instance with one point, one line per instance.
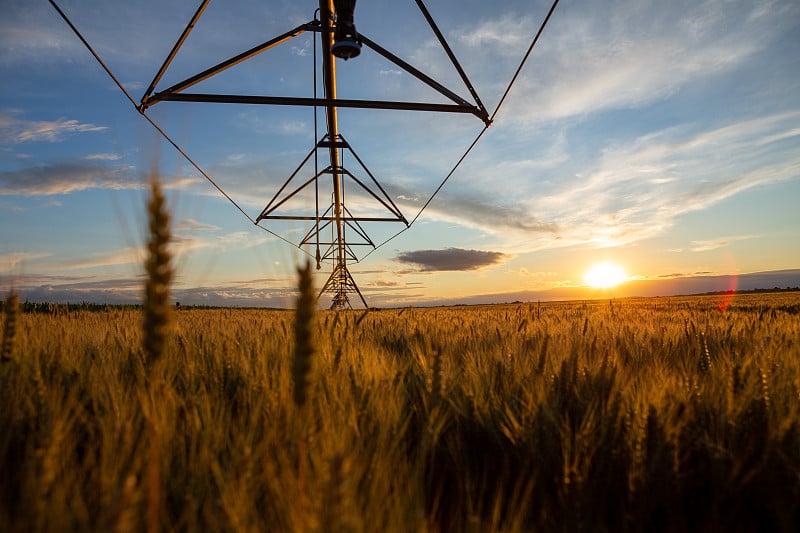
(10, 326)
(303, 335)
(159, 274)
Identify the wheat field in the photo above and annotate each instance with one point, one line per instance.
(663, 414)
(652, 414)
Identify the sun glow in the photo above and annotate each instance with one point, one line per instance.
(604, 275)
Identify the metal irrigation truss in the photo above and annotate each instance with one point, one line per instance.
(334, 230)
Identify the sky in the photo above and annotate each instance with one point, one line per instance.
(663, 137)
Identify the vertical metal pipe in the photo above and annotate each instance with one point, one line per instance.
(329, 80)
(316, 152)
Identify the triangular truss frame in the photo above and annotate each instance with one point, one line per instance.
(337, 217)
(324, 221)
(177, 92)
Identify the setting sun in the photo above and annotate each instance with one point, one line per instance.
(604, 275)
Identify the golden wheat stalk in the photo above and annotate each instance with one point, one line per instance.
(437, 384)
(153, 483)
(10, 327)
(304, 342)
(159, 274)
(332, 516)
(301, 371)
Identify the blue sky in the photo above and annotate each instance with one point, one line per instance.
(663, 136)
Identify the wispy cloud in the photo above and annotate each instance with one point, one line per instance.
(134, 85)
(617, 55)
(304, 50)
(451, 259)
(633, 190)
(179, 183)
(636, 190)
(720, 242)
(10, 261)
(24, 37)
(189, 224)
(295, 127)
(261, 124)
(227, 243)
(384, 285)
(684, 274)
(16, 130)
(103, 157)
(34, 33)
(123, 256)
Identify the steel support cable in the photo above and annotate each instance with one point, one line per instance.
(161, 131)
(524, 58)
(480, 134)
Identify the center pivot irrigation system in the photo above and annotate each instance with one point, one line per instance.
(334, 229)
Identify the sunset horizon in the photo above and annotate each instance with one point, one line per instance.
(391, 266)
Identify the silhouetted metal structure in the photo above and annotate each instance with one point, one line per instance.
(340, 39)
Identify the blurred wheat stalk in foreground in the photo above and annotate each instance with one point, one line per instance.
(158, 275)
(9, 327)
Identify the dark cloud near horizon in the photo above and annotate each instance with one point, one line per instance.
(387, 286)
(131, 291)
(451, 259)
(684, 274)
(99, 294)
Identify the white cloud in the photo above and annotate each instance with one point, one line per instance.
(302, 51)
(227, 243)
(264, 125)
(26, 39)
(507, 35)
(613, 55)
(16, 130)
(134, 85)
(103, 157)
(234, 158)
(10, 261)
(295, 127)
(719, 242)
(632, 191)
(637, 190)
(122, 256)
(189, 224)
(182, 183)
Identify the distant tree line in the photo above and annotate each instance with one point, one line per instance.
(45, 307)
(748, 291)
